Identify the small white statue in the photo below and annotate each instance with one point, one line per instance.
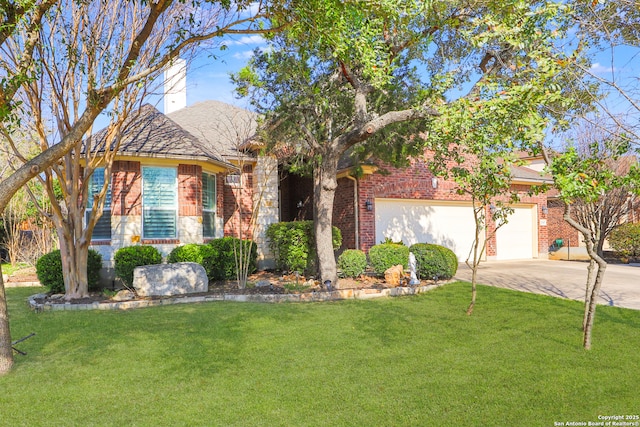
(412, 270)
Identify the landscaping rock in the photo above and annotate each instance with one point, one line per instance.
(170, 279)
(394, 275)
(123, 295)
(263, 283)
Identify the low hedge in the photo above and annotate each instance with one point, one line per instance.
(386, 255)
(128, 258)
(49, 271)
(352, 262)
(434, 261)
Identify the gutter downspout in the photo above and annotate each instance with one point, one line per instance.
(356, 210)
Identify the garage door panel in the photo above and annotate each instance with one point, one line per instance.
(414, 221)
(517, 239)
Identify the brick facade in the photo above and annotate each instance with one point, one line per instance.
(189, 190)
(413, 183)
(238, 205)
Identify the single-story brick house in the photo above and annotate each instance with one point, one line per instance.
(182, 177)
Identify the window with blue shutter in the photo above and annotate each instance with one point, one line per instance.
(102, 230)
(208, 205)
(159, 203)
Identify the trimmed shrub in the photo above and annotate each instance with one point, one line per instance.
(191, 252)
(128, 258)
(293, 244)
(434, 261)
(49, 271)
(352, 262)
(625, 239)
(386, 255)
(221, 263)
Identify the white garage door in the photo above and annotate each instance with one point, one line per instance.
(418, 221)
(517, 239)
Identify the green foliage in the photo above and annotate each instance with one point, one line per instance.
(293, 244)
(220, 263)
(434, 261)
(625, 239)
(49, 270)
(186, 253)
(128, 258)
(352, 262)
(387, 255)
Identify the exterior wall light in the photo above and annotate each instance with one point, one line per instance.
(492, 209)
(368, 204)
(434, 182)
(545, 210)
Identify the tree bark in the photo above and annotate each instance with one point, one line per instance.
(591, 297)
(325, 183)
(6, 352)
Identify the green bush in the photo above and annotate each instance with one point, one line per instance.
(434, 261)
(191, 252)
(386, 255)
(128, 258)
(352, 262)
(625, 239)
(221, 263)
(49, 271)
(293, 244)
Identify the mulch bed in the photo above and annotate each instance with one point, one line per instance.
(278, 284)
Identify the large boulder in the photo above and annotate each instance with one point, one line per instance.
(170, 279)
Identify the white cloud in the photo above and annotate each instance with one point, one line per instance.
(597, 68)
(243, 55)
(246, 40)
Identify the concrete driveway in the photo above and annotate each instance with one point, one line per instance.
(564, 279)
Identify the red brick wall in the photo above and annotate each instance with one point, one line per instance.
(235, 198)
(189, 190)
(415, 182)
(343, 212)
(557, 227)
(125, 188)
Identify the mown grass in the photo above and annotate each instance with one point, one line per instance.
(400, 361)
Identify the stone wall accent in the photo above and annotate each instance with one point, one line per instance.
(266, 206)
(170, 279)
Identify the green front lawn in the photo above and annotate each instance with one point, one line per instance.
(414, 361)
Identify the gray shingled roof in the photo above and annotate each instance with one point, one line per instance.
(223, 128)
(149, 133)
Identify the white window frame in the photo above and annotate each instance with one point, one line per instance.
(213, 210)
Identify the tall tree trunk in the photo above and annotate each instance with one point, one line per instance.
(476, 253)
(592, 291)
(325, 183)
(593, 297)
(6, 353)
(587, 291)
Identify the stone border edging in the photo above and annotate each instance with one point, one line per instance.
(337, 295)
